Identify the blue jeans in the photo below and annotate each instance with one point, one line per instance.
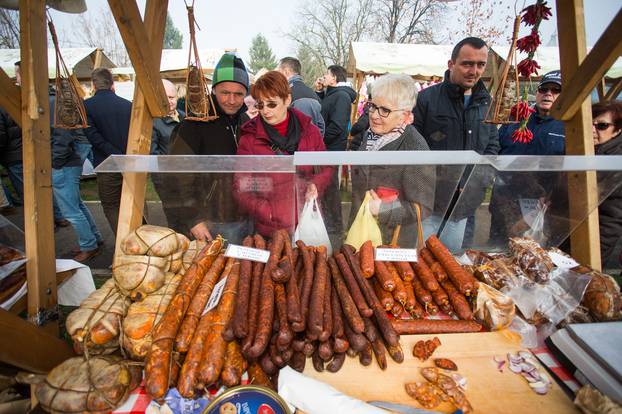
(84, 150)
(452, 234)
(16, 176)
(66, 186)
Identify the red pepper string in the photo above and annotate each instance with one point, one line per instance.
(532, 16)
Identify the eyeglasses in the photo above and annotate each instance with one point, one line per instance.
(602, 126)
(270, 104)
(543, 90)
(382, 111)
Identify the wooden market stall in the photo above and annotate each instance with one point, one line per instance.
(582, 72)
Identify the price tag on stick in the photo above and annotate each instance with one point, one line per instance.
(247, 253)
(396, 255)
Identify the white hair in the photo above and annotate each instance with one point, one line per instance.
(397, 88)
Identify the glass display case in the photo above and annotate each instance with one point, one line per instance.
(469, 200)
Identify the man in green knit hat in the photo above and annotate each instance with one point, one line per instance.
(201, 205)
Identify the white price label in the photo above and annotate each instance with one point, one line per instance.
(396, 255)
(562, 261)
(247, 253)
(214, 298)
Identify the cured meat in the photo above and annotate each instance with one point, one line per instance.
(138, 276)
(151, 241)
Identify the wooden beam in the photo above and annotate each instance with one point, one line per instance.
(579, 84)
(600, 89)
(37, 159)
(11, 97)
(583, 189)
(97, 62)
(29, 347)
(146, 64)
(141, 124)
(614, 90)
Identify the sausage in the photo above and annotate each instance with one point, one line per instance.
(276, 356)
(325, 351)
(340, 343)
(315, 319)
(257, 376)
(422, 294)
(367, 259)
(293, 305)
(351, 353)
(349, 308)
(405, 271)
(307, 279)
(431, 308)
(426, 277)
(370, 330)
(159, 359)
(337, 362)
(327, 328)
(440, 297)
(309, 348)
(235, 365)
(287, 248)
(253, 306)
(298, 270)
(298, 361)
(260, 243)
(463, 280)
(386, 298)
(298, 344)
(410, 296)
(239, 322)
(380, 353)
(384, 276)
(397, 309)
(365, 356)
(396, 353)
(265, 316)
(285, 334)
(227, 333)
(353, 286)
(187, 381)
(215, 347)
(195, 310)
(436, 268)
(283, 271)
(267, 365)
(278, 244)
(287, 355)
(318, 363)
(458, 301)
(356, 340)
(417, 311)
(434, 326)
(399, 293)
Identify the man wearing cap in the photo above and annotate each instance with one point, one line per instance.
(201, 205)
(517, 199)
(548, 133)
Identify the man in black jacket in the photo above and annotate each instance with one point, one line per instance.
(163, 127)
(202, 205)
(450, 116)
(109, 123)
(303, 97)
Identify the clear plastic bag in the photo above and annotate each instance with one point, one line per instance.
(311, 228)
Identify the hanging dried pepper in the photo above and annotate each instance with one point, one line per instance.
(535, 13)
(532, 16)
(521, 111)
(522, 134)
(528, 43)
(527, 67)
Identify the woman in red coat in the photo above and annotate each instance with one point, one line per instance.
(278, 130)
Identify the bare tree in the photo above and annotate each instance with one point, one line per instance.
(487, 19)
(9, 29)
(328, 27)
(407, 21)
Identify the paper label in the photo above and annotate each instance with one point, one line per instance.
(215, 296)
(396, 255)
(562, 261)
(247, 253)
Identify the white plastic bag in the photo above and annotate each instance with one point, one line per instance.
(311, 228)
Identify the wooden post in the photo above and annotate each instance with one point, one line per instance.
(11, 97)
(583, 190)
(600, 89)
(614, 90)
(97, 62)
(139, 137)
(37, 159)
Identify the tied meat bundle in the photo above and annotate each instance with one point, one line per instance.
(95, 326)
(149, 252)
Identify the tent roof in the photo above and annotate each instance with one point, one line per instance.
(431, 60)
(78, 60)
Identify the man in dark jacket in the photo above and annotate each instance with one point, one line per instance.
(163, 127)
(66, 171)
(11, 153)
(303, 97)
(202, 205)
(450, 116)
(109, 123)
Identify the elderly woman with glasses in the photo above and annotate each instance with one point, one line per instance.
(397, 191)
(270, 198)
(607, 134)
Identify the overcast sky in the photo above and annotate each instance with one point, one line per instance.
(233, 23)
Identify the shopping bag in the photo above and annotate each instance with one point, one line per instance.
(311, 228)
(364, 227)
(534, 212)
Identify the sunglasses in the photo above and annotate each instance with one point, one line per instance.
(543, 89)
(602, 126)
(270, 104)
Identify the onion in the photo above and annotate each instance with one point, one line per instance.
(514, 358)
(515, 368)
(527, 367)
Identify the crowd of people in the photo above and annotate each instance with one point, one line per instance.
(279, 114)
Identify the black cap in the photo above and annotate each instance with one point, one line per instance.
(554, 76)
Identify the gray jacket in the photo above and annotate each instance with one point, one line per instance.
(306, 101)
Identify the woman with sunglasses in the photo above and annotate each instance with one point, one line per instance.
(278, 130)
(607, 134)
(395, 190)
